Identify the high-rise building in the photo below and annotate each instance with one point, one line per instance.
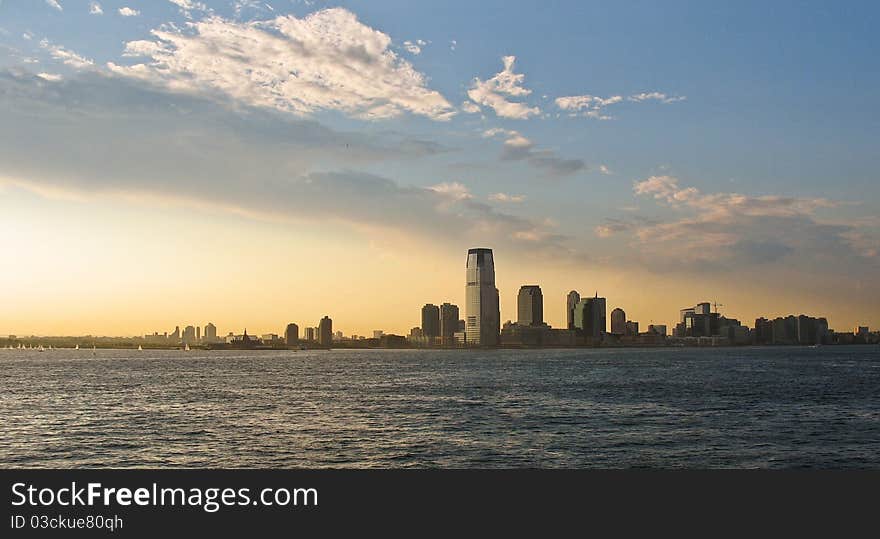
(189, 335)
(210, 332)
(175, 337)
(570, 304)
(198, 334)
(430, 322)
(618, 321)
(589, 316)
(309, 334)
(291, 334)
(482, 309)
(325, 331)
(448, 323)
(530, 306)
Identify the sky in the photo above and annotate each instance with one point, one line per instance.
(176, 162)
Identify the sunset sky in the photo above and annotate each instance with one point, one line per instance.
(174, 162)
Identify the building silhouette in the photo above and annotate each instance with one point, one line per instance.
(589, 317)
(430, 322)
(309, 334)
(448, 323)
(291, 334)
(618, 322)
(189, 335)
(325, 331)
(210, 332)
(482, 310)
(570, 303)
(530, 306)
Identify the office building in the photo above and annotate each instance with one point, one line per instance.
(530, 306)
(210, 332)
(482, 310)
(589, 317)
(309, 334)
(291, 334)
(430, 322)
(189, 335)
(325, 331)
(571, 302)
(618, 321)
(448, 323)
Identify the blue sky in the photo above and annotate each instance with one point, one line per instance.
(660, 137)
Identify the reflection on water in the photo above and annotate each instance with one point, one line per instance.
(753, 407)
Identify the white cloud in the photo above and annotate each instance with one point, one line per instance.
(605, 170)
(470, 107)
(733, 232)
(656, 96)
(51, 77)
(55, 4)
(504, 197)
(68, 57)
(414, 47)
(453, 44)
(590, 106)
(491, 93)
(326, 60)
(128, 12)
(188, 6)
(453, 190)
(721, 205)
(95, 8)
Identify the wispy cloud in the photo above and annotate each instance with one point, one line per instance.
(128, 12)
(504, 197)
(69, 57)
(95, 8)
(590, 106)
(519, 148)
(55, 4)
(328, 60)
(496, 91)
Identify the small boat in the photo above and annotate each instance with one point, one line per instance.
(186, 348)
(77, 347)
(140, 348)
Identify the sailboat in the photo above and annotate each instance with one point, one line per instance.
(186, 347)
(77, 347)
(140, 348)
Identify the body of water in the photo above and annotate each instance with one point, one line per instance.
(668, 408)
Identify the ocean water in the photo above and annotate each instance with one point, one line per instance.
(780, 407)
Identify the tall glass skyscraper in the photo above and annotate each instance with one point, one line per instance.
(482, 311)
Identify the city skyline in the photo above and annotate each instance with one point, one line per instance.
(482, 325)
(154, 168)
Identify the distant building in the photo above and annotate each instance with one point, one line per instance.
(530, 306)
(291, 334)
(430, 322)
(862, 331)
(657, 329)
(631, 328)
(270, 338)
(309, 334)
(325, 331)
(698, 321)
(482, 310)
(198, 334)
(189, 335)
(589, 317)
(210, 332)
(175, 336)
(571, 302)
(618, 321)
(449, 323)
(377, 333)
